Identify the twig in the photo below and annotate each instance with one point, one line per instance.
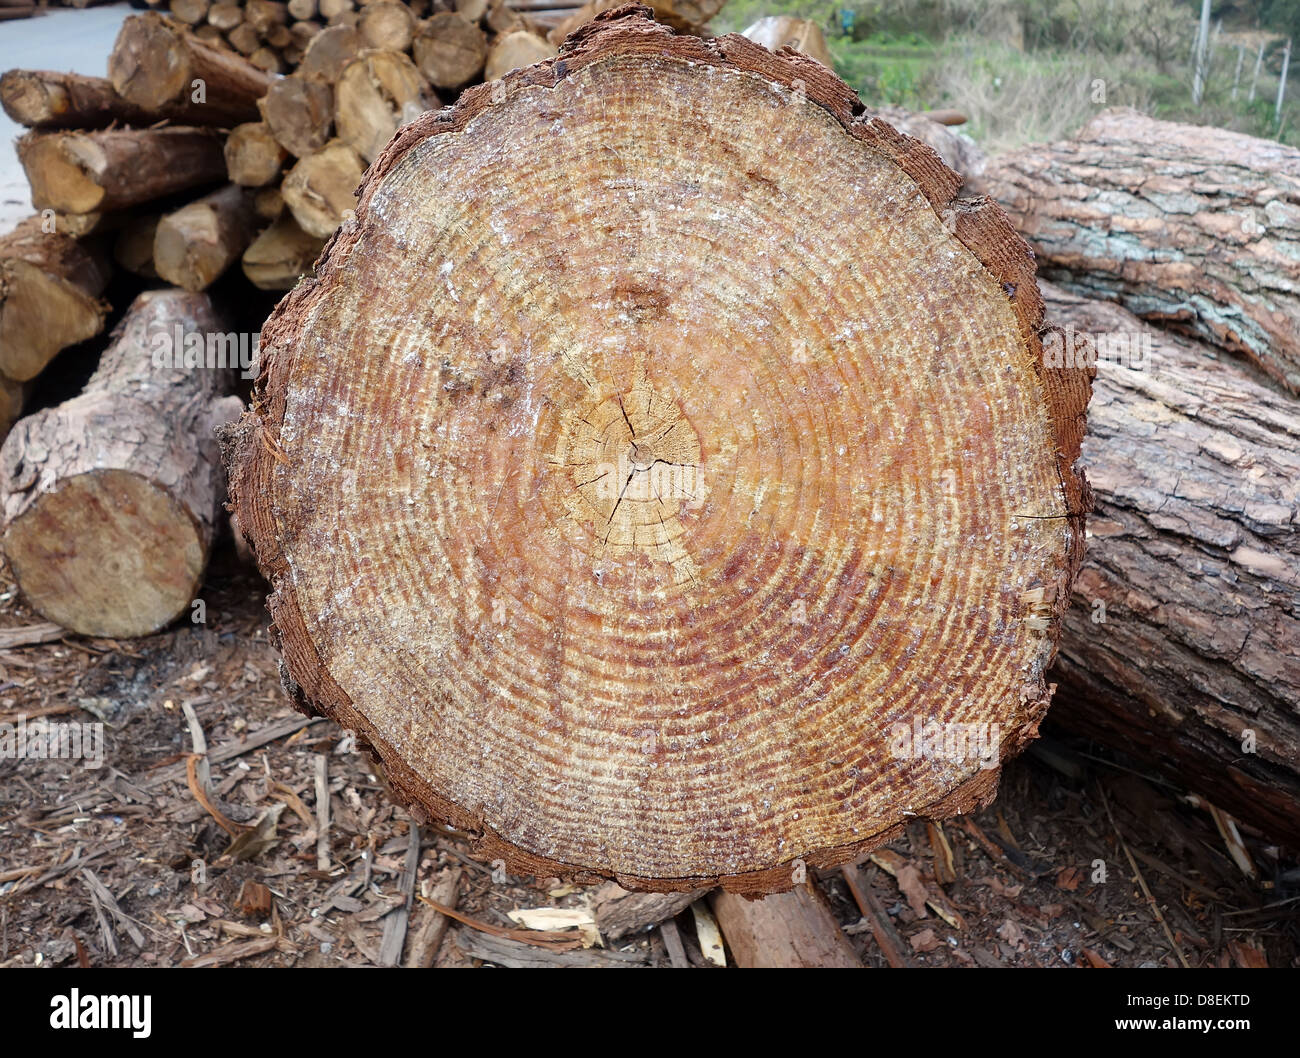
(433, 928)
(321, 765)
(540, 938)
(193, 768)
(99, 890)
(886, 939)
(395, 923)
(1142, 882)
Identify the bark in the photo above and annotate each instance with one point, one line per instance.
(43, 100)
(109, 501)
(89, 172)
(253, 157)
(378, 92)
(321, 188)
(563, 475)
(155, 64)
(300, 114)
(449, 51)
(195, 245)
(1197, 228)
(1195, 556)
(793, 930)
(49, 297)
(281, 255)
(513, 51)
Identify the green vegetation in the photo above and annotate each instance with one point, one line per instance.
(1037, 70)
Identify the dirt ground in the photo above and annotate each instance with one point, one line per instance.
(1082, 860)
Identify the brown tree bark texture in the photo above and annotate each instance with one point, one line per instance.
(1194, 552)
(1192, 227)
(109, 502)
(625, 509)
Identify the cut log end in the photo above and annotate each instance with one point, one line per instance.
(137, 563)
(660, 535)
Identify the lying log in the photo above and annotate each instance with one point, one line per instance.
(42, 100)
(281, 256)
(155, 63)
(583, 552)
(785, 31)
(253, 156)
(449, 51)
(88, 172)
(195, 245)
(329, 52)
(514, 51)
(387, 25)
(299, 112)
(50, 287)
(133, 247)
(620, 913)
(1185, 630)
(109, 502)
(793, 930)
(1193, 227)
(320, 190)
(378, 92)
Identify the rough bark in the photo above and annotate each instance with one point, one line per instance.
(195, 245)
(793, 930)
(564, 482)
(109, 501)
(88, 172)
(1195, 556)
(155, 64)
(253, 156)
(49, 297)
(321, 188)
(378, 92)
(1197, 228)
(449, 51)
(43, 100)
(281, 255)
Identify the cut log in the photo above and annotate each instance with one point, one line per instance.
(329, 52)
(785, 31)
(513, 51)
(1196, 227)
(225, 17)
(89, 172)
(281, 255)
(387, 25)
(378, 92)
(791, 930)
(133, 247)
(155, 63)
(195, 245)
(49, 297)
(267, 59)
(268, 202)
(300, 114)
(449, 51)
(109, 501)
(334, 9)
(1185, 631)
(253, 157)
(191, 12)
(321, 188)
(302, 9)
(244, 39)
(584, 513)
(263, 14)
(43, 100)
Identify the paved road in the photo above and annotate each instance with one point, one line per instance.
(63, 39)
